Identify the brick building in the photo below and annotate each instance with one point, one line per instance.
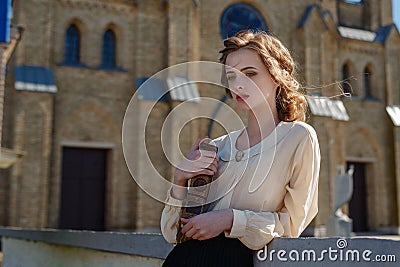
(80, 61)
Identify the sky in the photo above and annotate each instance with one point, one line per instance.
(396, 12)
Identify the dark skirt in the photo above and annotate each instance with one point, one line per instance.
(218, 251)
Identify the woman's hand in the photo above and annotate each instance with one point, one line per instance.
(208, 225)
(196, 162)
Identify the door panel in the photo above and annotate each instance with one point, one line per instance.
(83, 189)
(358, 204)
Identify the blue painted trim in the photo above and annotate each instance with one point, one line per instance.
(34, 74)
(73, 65)
(152, 89)
(5, 20)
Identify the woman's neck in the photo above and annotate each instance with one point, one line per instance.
(259, 126)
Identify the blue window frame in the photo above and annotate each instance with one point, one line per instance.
(345, 79)
(367, 82)
(108, 58)
(72, 46)
(239, 17)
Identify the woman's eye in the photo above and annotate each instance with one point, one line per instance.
(230, 77)
(250, 74)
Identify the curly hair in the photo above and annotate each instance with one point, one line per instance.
(290, 102)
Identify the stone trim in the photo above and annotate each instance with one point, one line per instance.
(104, 145)
(361, 159)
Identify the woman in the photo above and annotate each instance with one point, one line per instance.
(273, 163)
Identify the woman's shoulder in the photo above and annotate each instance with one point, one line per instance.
(301, 130)
(222, 140)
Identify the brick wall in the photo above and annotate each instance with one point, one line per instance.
(152, 35)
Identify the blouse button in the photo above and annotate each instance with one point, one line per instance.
(239, 155)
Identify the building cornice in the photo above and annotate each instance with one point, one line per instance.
(118, 6)
(360, 47)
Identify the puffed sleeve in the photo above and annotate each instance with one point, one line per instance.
(300, 204)
(170, 218)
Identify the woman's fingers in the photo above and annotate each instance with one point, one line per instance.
(191, 232)
(198, 235)
(208, 159)
(203, 163)
(197, 143)
(198, 169)
(215, 164)
(208, 154)
(187, 226)
(197, 162)
(203, 172)
(196, 155)
(208, 169)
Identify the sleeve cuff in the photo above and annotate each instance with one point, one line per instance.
(239, 224)
(170, 200)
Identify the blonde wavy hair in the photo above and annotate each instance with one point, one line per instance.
(290, 102)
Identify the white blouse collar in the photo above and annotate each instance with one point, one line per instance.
(229, 152)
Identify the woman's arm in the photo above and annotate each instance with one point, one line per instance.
(170, 218)
(208, 225)
(196, 163)
(256, 229)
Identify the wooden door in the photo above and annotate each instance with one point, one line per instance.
(83, 189)
(358, 209)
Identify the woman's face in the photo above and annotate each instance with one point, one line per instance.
(251, 85)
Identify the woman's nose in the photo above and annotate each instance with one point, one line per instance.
(238, 86)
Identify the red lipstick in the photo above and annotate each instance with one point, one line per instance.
(241, 98)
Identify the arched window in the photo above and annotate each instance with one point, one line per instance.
(72, 45)
(346, 86)
(239, 17)
(108, 58)
(367, 82)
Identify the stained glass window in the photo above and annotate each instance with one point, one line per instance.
(367, 82)
(108, 58)
(72, 45)
(239, 17)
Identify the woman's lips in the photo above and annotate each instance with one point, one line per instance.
(241, 98)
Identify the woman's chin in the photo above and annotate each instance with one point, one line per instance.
(242, 105)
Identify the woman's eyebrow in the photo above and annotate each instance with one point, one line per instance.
(249, 67)
(243, 69)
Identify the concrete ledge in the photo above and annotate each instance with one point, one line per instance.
(34, 248)
(142, 244)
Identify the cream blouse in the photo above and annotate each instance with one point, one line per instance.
(272, 187)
